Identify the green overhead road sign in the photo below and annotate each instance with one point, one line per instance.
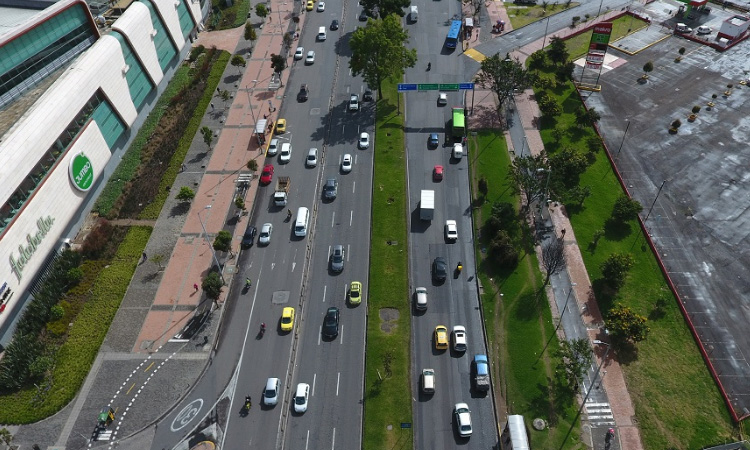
(428, 87)
(449, 87)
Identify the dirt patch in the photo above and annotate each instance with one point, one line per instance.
(388, 319)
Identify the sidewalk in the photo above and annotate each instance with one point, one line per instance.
(485, 115)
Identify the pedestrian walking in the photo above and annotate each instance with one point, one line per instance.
(195, 286)
(212, 106)
(218, 90)
(144, 257)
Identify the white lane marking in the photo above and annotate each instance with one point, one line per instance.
(307, 440)
(324, 293)
(333, 219)
(320, 331)
(315, 375)
(351, 217)
(354, 185)
(338, 379)
(341, 340)
(333, 440)
(347, 252)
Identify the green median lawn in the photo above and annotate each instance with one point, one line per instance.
(387, 382)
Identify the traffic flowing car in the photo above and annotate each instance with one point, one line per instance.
(346, 163)
(433, 141)
(249, 236)
(437, 173)
(265, 234)
(463, 419)
(271, 392)
(312, 157)
(451, 230)
(331, 323)
(459, 338)
(310, 59)
(330, 189)
(300, 398)
(299, 53)
(273, 147)
(364, 141)
(355, 293)
(310, 5)
(267, 175)
(439, 269)
(337, 258)
(442, 99)
(281, 126)
(441, 337)
(321, 6)
(354, 102)
(287, 319)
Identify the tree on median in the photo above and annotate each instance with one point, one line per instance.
(384, 7)
(379, 51)
(503, 76)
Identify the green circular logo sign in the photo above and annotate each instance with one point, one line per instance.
(81, 172)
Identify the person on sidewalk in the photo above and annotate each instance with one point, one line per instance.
(195, 286)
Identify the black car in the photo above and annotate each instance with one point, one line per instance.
(335, 24)
(367, 96)
(330, 189)
(331, 323)
(303, 93)
(439, 269)
(249, 237)
(433, 141)
(363, 16)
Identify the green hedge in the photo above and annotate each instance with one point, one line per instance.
(153, 210)
(75, 357)
(128, 167)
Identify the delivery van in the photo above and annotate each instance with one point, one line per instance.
(413, 14)
(322, 33)
(303, 220)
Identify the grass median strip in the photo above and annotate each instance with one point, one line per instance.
(517, 317)
(387, 392)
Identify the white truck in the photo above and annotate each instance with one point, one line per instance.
(427, 205)
(281, 193)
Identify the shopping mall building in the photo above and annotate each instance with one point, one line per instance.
(74, 90)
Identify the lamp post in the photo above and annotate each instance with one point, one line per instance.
(252, 113)
(545, 32)
(572, 285)
(591, 388)
(213, 252)
(623, 138)
(655, 199)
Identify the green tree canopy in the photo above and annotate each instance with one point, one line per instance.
(528, 177)
(626, 208)
(503, 76)
(575, 359)
(238, 61)
(379, 51)
(250, 34)
(558, 51)
(212, 285)
(186, 194)
(261, 10)
(625, 325)
(615, 268)
(208, 136)
(278, 63)
(223, 241)
(384, 8)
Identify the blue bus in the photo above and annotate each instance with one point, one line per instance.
(452, 39)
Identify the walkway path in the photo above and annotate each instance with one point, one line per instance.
(485, 114)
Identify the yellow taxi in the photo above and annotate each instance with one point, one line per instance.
(441, 337)
(355, 293)
(310, 5)
(281, 126)
(287, 319)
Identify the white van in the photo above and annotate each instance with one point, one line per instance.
(303, 219)
(322, 33)
(413, 14)
(428, 381)
(458, 151)
(421, 297)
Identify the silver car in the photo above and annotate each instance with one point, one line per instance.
(265, 234)
(337, 258)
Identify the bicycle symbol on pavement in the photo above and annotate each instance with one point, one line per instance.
(187, 414)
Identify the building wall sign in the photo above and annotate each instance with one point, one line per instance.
(44, 224)
(81, 172)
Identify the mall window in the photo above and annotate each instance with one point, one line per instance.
(29, 58)
(139, 83)
(111, 126)
(165, 48)
(186, 19)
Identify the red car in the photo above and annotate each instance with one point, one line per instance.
(267, 175)
(437, 173)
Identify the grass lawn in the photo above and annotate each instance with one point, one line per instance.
(521, 15)
(229, 16)
(677, 402)
(387, 380)
(518, 322)
(621, 27)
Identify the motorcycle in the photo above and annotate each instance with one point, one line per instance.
(248, 403)
(262, 329)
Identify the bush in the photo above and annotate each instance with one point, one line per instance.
(626, 326)
(681, 51)
(503, 251)
(186, 194)
(676, 123)
(615, 269)
(696, 109)
(196, 51)
(625, 208)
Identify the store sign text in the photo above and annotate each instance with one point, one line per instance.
(44, 224)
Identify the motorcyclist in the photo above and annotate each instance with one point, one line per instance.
(248, 283)
(262, 325)
(429, 65)
(460, 266)
(288, 213)
(248, 402)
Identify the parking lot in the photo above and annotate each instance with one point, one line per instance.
(701, 218)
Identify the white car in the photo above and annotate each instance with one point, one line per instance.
(321, 6)
(301, 397)
(312, 158)
(354, 102)
(346, 163)
(421, 294)
(300, 53)
(459, 338)
(271, 392)
(286, 153)
(310, 59)
(273, 147)
(703, 29)
(265, 234)
(364, 141)
(451, 230)
(463, 419)
(442, 99)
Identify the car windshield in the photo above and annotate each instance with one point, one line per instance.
(300, 400)
(270, 393)
(286, 320)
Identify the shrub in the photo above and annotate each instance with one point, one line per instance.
(626, 326)
(97, 240)
(186, 194)
(503, 251)
(615, 269)
(626, 208)
(681, 51)
(676, 123)
(696, 109)
(252, 165)
(196, 51)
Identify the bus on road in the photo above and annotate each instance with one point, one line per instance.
(455, 31)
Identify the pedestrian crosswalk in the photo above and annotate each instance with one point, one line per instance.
(599, 414)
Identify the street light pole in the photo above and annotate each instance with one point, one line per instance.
(213, 252)
(572, 285)
(545, 32)
(655, 199)
(623, 138)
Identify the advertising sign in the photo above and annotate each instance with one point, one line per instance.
(598, 45)
(81, 172)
